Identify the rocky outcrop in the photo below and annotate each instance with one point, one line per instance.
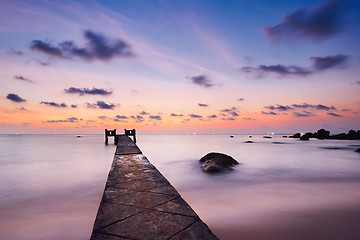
(322, 134)
(217, 162)
(357, 150)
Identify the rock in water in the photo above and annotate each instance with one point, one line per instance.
(357, 150)
(217, 162)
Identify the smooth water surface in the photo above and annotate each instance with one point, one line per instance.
(51, 185)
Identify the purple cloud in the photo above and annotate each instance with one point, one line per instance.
(241, 99)
(71, 119)
(318, 64)
(155, 117)
(269, 113)
(278, 69)
(121, 117)
(303, 114)
(316, 23)
(176, 115)
(317, 107)
(15, 98)
(144, 113)
(249, 119)
(138, 118)
(195, 116)
(323, 63)
(202, 105)
(279, 107)
(22, 78)
(333, 114)
(212, 116)
(88, 91)
(228, 119)
(54, 104)
(202, 80)
(98, 47)
(102, 105)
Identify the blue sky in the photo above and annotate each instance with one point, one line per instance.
(179, 66)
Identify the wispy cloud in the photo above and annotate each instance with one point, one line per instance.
(333, 114)
(279, 107)
(300, 110)
(15, 98)
(99, 47)
(316, 23)
(241, 99)
(88, 91)
(138, 118)
(249, 119)
(71, 120)
(54, 104)
(303, 114)
(228, 119)
(121, 117)
(202, 105)
(155, 117)
(176, 115)
(15, 52)
(269, 113)
(202, 80)
(278, 69)
(22, 78)
(195, 116)
(317, 106)
(212, 116)
(318, 64)
(101, 105)
(232, 111)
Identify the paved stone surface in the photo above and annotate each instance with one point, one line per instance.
(139, 203)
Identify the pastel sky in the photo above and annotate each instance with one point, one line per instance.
(174, 66)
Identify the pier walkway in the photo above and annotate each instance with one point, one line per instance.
(139, 203)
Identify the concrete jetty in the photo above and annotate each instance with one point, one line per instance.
(139, 203)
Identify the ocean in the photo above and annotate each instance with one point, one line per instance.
(51, 185)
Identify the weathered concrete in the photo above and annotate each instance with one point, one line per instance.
(139, 203)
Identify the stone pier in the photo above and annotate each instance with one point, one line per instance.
(139, 203)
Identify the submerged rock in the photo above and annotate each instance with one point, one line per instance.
(217, 162)
(249, 141)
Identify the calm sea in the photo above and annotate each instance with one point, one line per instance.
(51, 185)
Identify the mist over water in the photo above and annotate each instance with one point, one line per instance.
(51, 185)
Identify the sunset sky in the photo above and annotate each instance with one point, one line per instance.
(175, 66)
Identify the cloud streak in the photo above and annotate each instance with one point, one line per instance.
(88, 91)
(54, 104)
(71, 120)
(317, 23)
(98, 47)
(22, 78)
(318, 64)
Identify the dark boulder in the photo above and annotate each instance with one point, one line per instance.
(296, 135)
(322, 134)
(307, 136)
(357, 150)
(217, 162)
(304, 138)
(249, 141)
